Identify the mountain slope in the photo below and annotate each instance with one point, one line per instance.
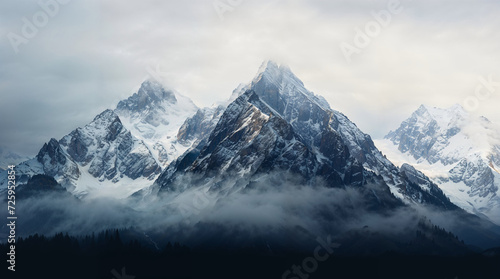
(459, 151)
(246, 140)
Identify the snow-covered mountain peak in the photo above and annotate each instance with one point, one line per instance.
(453, 116)
(456, 108)
(151, 94)
(94, 160)
(154, 114)
(445, 135)
(277, 82)
(156, 91)
(126, 146)
(268, 65)
(105, 119)
(459, 150)
(107, 114)
(276, 74)
(455, 122)
(273, 66)
(105, 126)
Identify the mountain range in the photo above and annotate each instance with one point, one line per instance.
(275, 123)
(156, 148)
(121, 150)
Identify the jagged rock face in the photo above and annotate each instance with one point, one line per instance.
(286, 95)
(109, 150)
(257, 140)
(200, 125)
(312, 118)
(249, 140)
(459, 150)
(475, 173)
(154, 115)
(55, 162)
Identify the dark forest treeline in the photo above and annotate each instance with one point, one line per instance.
(114, 254)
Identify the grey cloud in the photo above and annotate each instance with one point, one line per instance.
(94, 53)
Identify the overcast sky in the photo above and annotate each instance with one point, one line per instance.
(90, 54)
